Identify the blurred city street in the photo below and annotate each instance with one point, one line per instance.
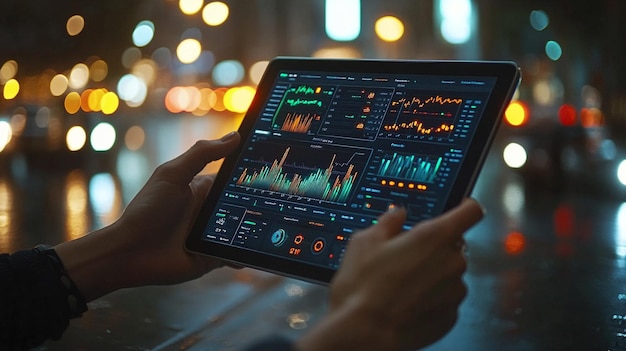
(546, 270)
(95, 95)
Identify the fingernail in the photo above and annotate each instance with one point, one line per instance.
(228, 136)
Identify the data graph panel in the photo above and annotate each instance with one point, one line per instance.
(301, 108)
(419, 115)
(315, 172)
(410, 167)
(356, 112)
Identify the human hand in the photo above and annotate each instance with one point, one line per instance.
(397, 290)
(145, 246)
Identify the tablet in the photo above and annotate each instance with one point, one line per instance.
(330, 144)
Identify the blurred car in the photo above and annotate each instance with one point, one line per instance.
(562, 149)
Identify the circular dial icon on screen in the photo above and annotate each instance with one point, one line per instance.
(279, 237)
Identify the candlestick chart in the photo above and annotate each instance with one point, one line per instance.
(320, 174)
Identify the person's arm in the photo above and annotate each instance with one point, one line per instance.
(397, 290)
(145, 246)
(42, 289)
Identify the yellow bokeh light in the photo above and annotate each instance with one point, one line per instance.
(109, 103)
(188, 50)
(8, 71)
(515, 114)
(98, 70)
(238, 99)
(134, 138)
(389, 28)
(75, 25)
(11, 89)
(190, 7)
(58, 85)
(95, 99)
(215, 13)
(75, 138)
(72, 102)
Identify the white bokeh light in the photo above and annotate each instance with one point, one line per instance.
(514, 155)
(102, 137)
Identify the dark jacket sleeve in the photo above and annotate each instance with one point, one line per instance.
(37, 299)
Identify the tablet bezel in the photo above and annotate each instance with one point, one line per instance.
(507, 74)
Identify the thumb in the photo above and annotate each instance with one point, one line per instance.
(183, 168)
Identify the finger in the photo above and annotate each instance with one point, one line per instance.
(390, 223)
(201, 185)
(183, 168)
(450, 227)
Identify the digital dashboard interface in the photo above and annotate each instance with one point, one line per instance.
(328, 152)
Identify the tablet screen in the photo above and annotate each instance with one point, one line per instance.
(327, 152)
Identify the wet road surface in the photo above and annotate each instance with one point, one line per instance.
(546, 269)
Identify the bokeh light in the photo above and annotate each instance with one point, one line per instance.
(11, 89)
(228, 72)
(102, 137)
(514, 155)
(342, 19)
(130, 56)
(215, 13)
(238, 99)
(389, 28)
(257, 70)
(58, 85)
(514, 243)
(208, 98)
(109, 103)
(8, 71)
(539, 20)
(75, 25)
(516, 114)
(84, 100)
(553, 50)
(143, 33)
(621, 173)
(95, 99)
(456, 20)
(134, 138)
(6, 133)
(102, 193)
(75, 138)
(190, 7)
(188, 50)
(146, 70)
(98, 70)
(79, 76)
(567, 115)
(72, 102)
(132, 90)
(18, 121)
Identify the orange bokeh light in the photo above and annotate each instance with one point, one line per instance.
(514, 243)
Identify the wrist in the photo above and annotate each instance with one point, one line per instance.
(94, 262)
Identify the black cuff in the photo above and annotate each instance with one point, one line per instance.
(40, 298)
